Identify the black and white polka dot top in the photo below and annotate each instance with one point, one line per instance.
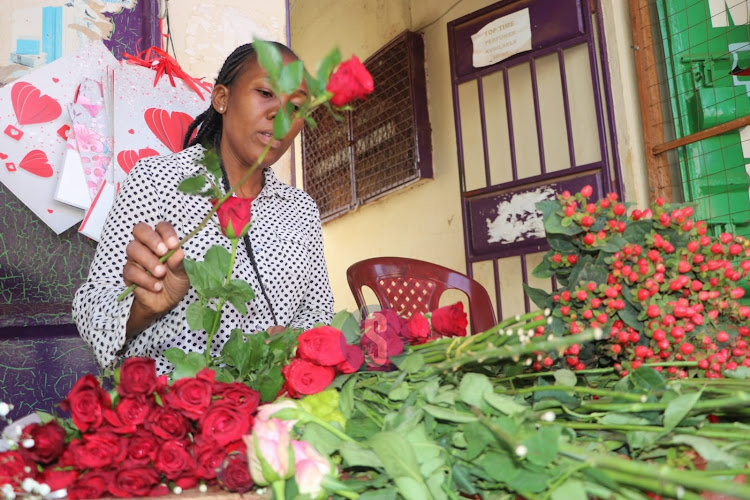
(287, 242)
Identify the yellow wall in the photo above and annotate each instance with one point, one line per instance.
(424, 221)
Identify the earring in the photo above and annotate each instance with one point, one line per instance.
(221, 109)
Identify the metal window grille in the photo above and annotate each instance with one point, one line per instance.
(380, 146)
(695, 104)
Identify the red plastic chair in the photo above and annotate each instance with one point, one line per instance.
(409, 286)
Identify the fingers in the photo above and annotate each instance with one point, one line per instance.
(148, 245)
(169, 237)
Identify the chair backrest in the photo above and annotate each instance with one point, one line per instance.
(409, 285)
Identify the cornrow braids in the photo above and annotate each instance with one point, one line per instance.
(209, 123)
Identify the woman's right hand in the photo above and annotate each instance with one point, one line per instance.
(161, 286)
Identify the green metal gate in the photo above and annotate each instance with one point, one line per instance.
(704, 41)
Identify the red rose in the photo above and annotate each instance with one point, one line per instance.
(450, 320)
(100, 450)
(239, 394)
(208, 456)
(142, 447)
(13, 468)
(323, 345)
(93, 484)
(137, 377)
(49, 441)
(392, 319)
(57, 479)
(304, 378)
(354, 358)
(186, 482)
(134, 481)
(234, 474)
(86, 403)
(349, 82)
(191, 396)
(173, 460)
(159, 490)
(167, 423)
(381, 345)
(223, 423)
(234, 216)
(127, 415)
(417, 329)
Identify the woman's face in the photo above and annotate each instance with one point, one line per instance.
(249, 109)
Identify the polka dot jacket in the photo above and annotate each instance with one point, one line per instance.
(287, 241)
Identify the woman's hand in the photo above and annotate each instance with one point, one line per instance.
(161, 286)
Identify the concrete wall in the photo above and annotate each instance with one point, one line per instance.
(424, 221)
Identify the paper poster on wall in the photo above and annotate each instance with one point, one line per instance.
(502, 38)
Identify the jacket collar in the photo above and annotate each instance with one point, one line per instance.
(189, 162)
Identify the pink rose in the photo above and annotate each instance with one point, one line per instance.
(269, 448)
(310, 468)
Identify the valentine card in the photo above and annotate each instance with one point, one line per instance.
(34, 125)
(151, 119)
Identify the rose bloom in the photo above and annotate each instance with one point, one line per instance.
(57, 479)
(92, 484)
(208, 457)
(305, 378)
(142, 447)
(86, 403)
(381, 345)
(234, 216)
(270, 443)
(450, 320)
(416, 329)
(167, 423)
(191, 396)
(134, 481)
(234, 474)
(354, 359)
(13, 468)
(239, 394)
(223, 423)
(49, 441)
(128, 414)
(310, 468)
(349, 82)
(100, 450)
(323, 345)
(173, 460)
(137, 377)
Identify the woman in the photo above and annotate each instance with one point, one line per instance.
(284, 262)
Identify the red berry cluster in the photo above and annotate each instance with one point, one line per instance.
(656, 282)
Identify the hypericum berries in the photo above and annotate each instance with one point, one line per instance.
(587, 191)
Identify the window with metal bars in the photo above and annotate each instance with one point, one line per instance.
(380, 146)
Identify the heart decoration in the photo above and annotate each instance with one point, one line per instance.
(55, 79)
(129, 157)
(131, 131)
(31, 106)
(36, 162)
(3, 156)
(170, 129)
(10, 166)
(13, 132)
(63, 131)
(49, 210)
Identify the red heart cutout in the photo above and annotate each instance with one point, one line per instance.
(129, 157)
(63, 131)
(36, 162)
(31, 106)
(49, 210)
(10, 166)
(13, 132)
(55, 80)
(131, 131)
(3, 156)
(169, 129)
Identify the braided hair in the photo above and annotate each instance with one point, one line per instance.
(209, 123)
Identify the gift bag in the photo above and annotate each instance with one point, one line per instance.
(34, 127)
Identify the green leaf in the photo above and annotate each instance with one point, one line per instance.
(349, 326)
(356, 455)
(504, 404)
(542, 446)
(360, 427)
(629, 315)
(185, 365)
(462, 480)
(269, 385)
(472, 388)
(709, 451)
(679, 408)
(553, 221)
(742, 373)
(565, 377)
(239, 353)
(647, 379)
(544, 268)
(282, 123)
(538, 296)
(412, 363)
(194, 316)
(216, 264)
(571, 489)
(212, 163)
(561, 243)
(530, 479)
(449, 414)
(477, 437)
(192, 185)
(290, 77)
(636, 231)
(346, 397)
(412, 489)
(269, 57)
(208, 316)
(239, 293)
(320, 438)
(381, 494)
(400, 392)
(400, 462)
(499, 466)
(330, 61)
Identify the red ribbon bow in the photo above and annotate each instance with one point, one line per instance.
(161, 62)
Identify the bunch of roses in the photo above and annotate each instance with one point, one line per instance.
(655, 281)
(154, 439)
